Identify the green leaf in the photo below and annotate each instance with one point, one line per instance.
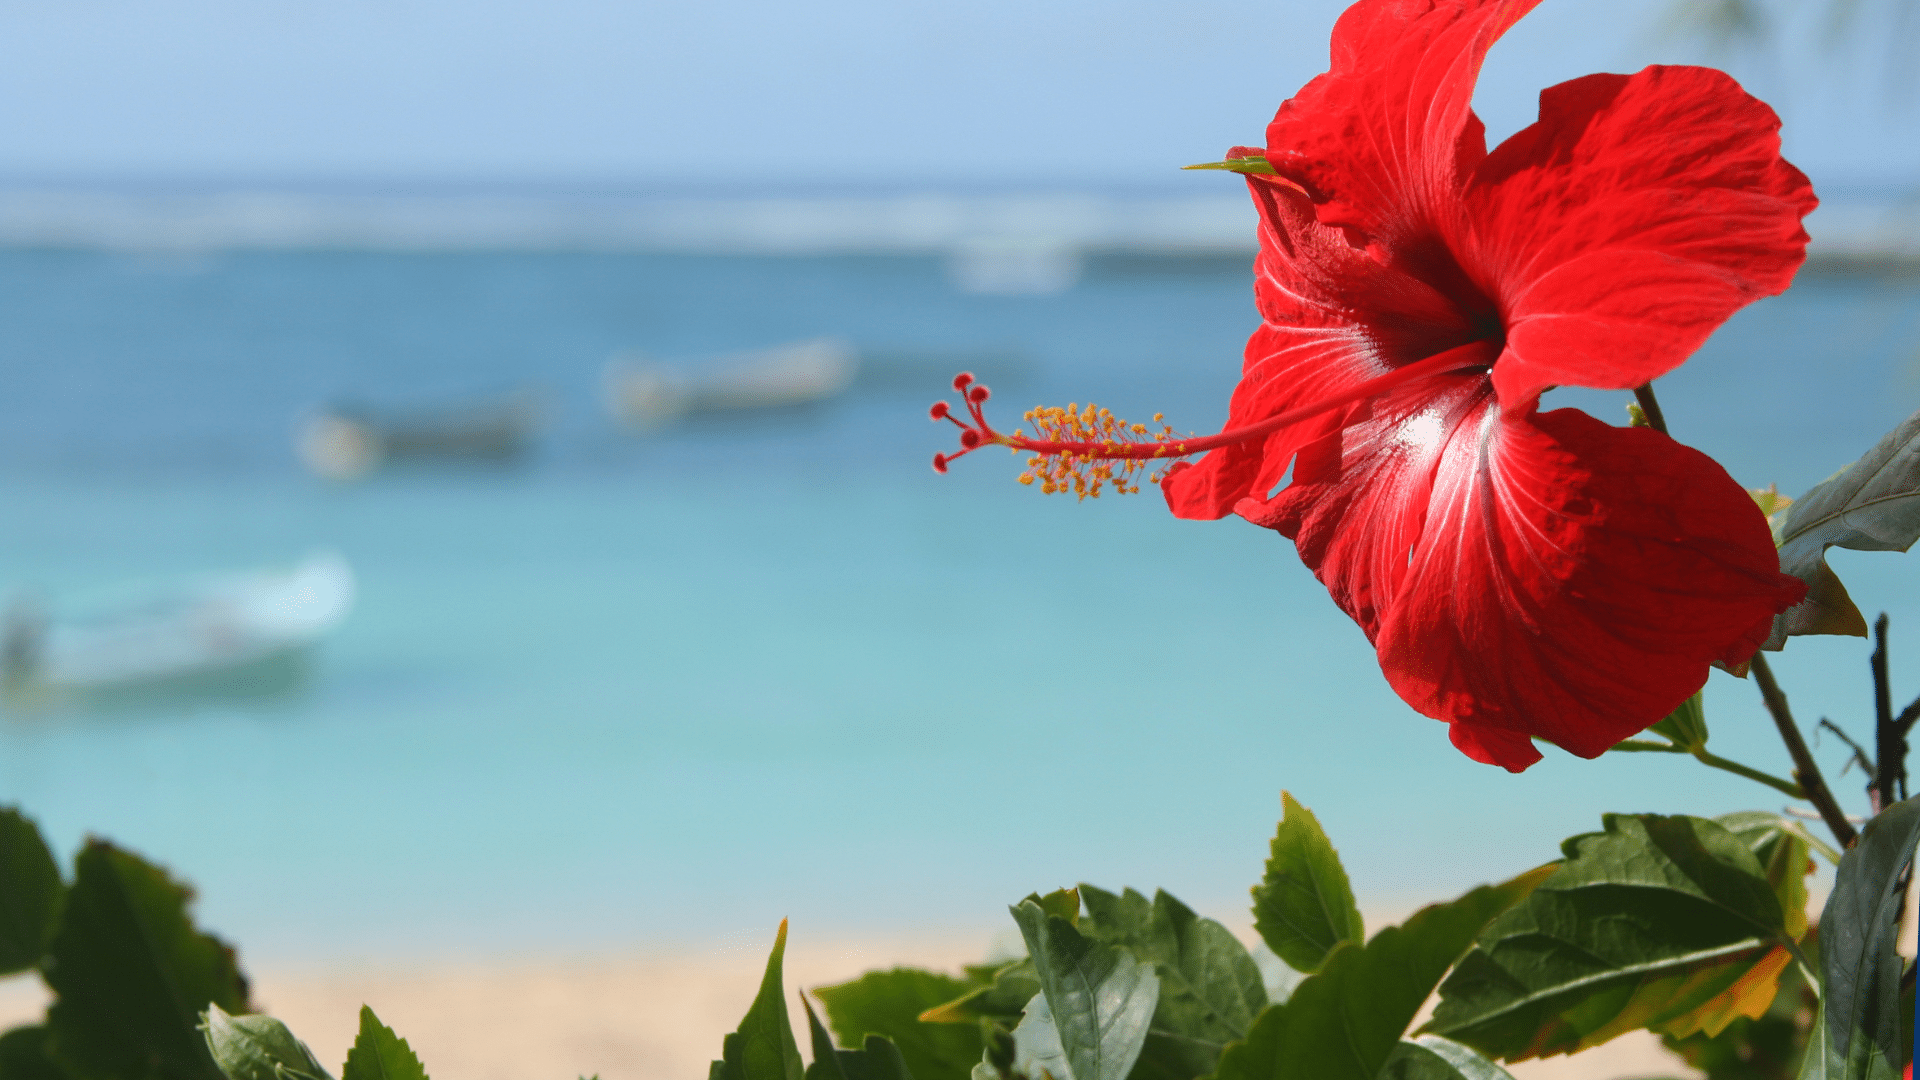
(1038, 1051)
(1097, 997)
(1064, 903)
(1430, 1057)
(1667, 923)
(1818, 1064)
(880, 1060)
(1686, 726)
(255, 1047)
(1768, 1047)
(23, 1056)
(1001, 1000)
(1210, 987)
(30, 892)
(379, 1054)
(1860, 970)
(1784, 850)
(763, 1048)
(1345, 1022)
(891, 1003)
(1871, 505)
(1304, 906)
(131, 975)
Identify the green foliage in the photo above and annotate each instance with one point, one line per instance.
(1097, 1001)
(1818, 1062)
(1346, 1021)
(1430, 1057)
(1871, 505)
(879, 1060)
(1064, 903)
(1867, 1037)
(379, 1054)
(1783, 847)
(1669, 923)
(30, 893)
(1304, 906)
(1767, 1047)
(763, 1047)
(23, 1056)
(132, 975)
(1210, 988)
(891, 1003)
(254, 1047)
(999, 995)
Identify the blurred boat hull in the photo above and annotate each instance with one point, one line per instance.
(344, 442)
(239, 634)
(644, 394)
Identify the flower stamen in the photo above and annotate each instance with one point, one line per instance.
(1084, 450)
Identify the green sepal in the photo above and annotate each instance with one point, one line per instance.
(1686, 726)
(1252, 166)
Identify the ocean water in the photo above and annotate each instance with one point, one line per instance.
(647, 690)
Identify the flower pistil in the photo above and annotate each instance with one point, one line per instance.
(1082, 450)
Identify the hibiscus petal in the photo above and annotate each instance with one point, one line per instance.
(1384, 137)
(1333, 317)
(1627, 224)
(1528, 576)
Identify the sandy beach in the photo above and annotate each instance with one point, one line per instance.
(636, 1015)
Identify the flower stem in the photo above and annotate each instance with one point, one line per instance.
(1648, 746)
(1650, 405)
(1890, 779)
(1791, 789)
(1805, 769)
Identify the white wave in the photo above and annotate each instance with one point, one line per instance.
(910, 224)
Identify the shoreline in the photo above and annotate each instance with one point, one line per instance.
(637, 1014)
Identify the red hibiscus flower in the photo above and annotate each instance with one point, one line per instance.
(1522, 574)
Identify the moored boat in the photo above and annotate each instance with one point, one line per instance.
(347, 441)
(645, 394)
(220, 633)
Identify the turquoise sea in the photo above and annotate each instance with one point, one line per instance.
(645, 690)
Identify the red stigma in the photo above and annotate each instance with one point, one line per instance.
(939, 411)
(978, 394)
(961, 380)
(939, 463)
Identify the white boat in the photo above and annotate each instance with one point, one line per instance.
(213, 634)
(345, 442)
(644, 393)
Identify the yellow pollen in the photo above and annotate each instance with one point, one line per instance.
(1088, 472)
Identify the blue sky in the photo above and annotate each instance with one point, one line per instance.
(749, 94)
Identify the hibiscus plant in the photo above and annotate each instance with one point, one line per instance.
(1526, 577)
